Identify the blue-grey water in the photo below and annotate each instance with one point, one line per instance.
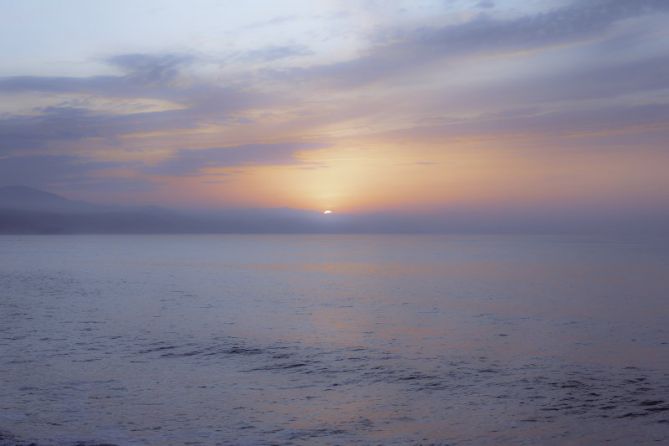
(310, 340)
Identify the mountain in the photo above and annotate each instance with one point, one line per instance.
(24, 210)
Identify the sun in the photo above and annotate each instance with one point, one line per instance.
(327, 211)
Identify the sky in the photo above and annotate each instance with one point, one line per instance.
(448, 107)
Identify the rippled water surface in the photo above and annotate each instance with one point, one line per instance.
(308, 340)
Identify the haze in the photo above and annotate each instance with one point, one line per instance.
(450, 114)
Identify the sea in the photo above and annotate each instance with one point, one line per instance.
(333, 340)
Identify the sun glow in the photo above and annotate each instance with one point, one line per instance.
(327, 211)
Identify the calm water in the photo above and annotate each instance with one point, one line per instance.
(253, 340)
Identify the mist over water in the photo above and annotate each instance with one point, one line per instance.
(337, 339)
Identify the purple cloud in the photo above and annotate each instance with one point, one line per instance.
(192, 161)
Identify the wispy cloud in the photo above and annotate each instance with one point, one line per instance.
(272, 53)
(411, 50)
(151, 69)
(190, 162)
(45, 170)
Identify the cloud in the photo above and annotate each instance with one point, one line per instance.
(405, 51)
(486, 4)
(139, 70)
(581, 83)
(143, 76)
(68, 171)
(279, 20)
(191, 161)
(19, 134)
(202, 102)
(152, 68)
(43, 170)
(273, 53)
(643, 121)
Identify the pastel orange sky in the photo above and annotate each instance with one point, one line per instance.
(407, 106)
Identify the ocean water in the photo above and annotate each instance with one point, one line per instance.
(342, 340)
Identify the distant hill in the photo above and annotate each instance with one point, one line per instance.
(25, 210)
